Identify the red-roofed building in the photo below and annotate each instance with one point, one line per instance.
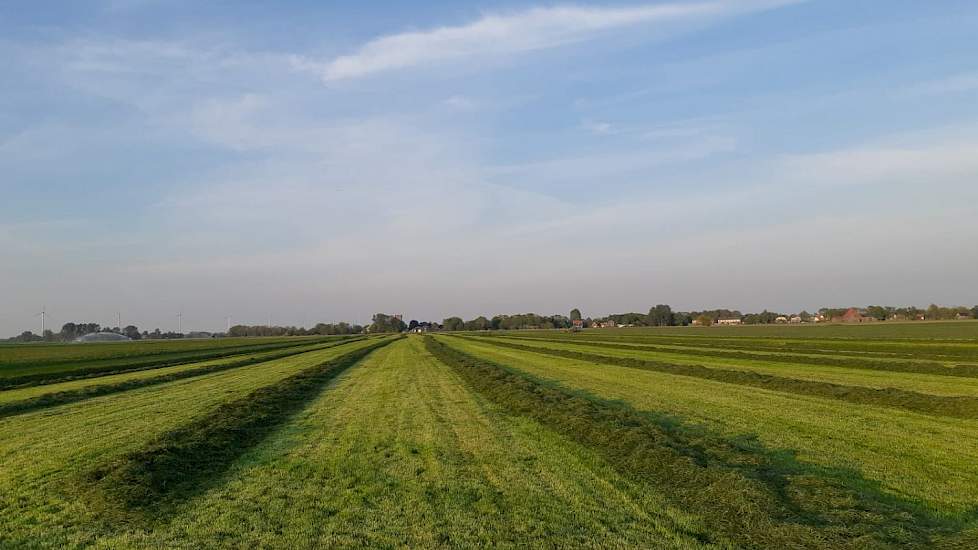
(853, 315)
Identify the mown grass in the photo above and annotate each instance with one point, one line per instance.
(45, 454)
(32, 354)
(797, 339)
(180, 462)
(398, 452)
(937, 385)
(931, 460)
(746, 495)
(906, 366)
(924, 403)
(41, 371)
(938, 331)
(95, 389)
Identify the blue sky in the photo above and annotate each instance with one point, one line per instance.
(316, 161)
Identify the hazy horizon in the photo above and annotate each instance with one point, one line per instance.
(308, 163)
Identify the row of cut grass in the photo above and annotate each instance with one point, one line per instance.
(44, 454)
(70, 352)
(838, 359)
(954, 406)
(924, 403)
(39, 397)
(744, 494)
(46, 373)
(930, 460)
(398, 452)
(872, 378)
(181, 461)
(933, 331)
(915, 348)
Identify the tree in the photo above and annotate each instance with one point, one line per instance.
(479, 323)
(682, 318)
(575, 314)
(387, 323)
(661, 316)
(413, 324)
(704, 320)
(453, 323)
(877, 312)
(132, 332)
(974, 312)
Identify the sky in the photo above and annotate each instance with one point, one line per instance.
(304, 161)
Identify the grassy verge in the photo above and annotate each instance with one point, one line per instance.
(745, 494)
(938, 405)
(95, 390)
(181, 461)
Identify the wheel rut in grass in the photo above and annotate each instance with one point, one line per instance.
(81, 394)
(965, 407)
(185, 461)
(747, 495)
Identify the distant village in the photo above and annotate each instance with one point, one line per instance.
(658, 316)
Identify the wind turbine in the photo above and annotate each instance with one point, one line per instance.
(42, 314)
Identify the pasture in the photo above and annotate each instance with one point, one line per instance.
(741, 437)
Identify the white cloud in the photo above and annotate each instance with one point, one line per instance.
(956, 84)
(460, 103)
(619, 167)
(927, 164)
(534, 29)
(598, 127)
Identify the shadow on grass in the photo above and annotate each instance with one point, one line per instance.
(745, 494)
(151, 482)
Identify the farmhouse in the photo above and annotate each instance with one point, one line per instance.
(853, 315)
(728, 321)
(781, 319)
(577, 323)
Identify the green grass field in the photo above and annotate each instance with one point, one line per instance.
(30, 364)
(790, 437)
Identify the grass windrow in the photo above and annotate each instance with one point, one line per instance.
(746, 495)
(937, 405)
(182, 461)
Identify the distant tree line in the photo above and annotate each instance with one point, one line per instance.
(658, 316)
(663, 315)
(507, 322)
(71, 331)
(323, 329)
